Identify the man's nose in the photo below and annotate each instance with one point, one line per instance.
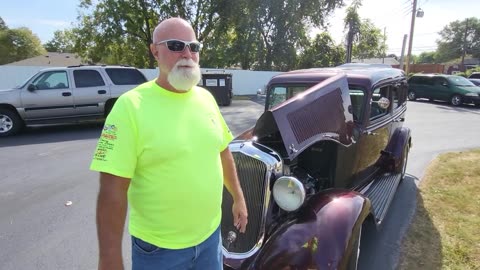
(187, 53)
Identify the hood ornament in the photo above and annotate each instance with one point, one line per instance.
(231, 237)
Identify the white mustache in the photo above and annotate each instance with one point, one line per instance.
(186, 62)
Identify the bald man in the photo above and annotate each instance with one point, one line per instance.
(164, 153)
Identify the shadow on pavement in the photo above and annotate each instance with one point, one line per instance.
(428, 255)
(381, 248)
(54, 133)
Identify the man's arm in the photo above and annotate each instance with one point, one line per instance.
(111, 213)
(230, 180)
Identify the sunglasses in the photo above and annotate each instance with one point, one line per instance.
(176, 45)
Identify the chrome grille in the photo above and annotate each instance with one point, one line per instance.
(252, 174)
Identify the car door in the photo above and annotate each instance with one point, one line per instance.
(48, 96)
(441, 90)
(374, 137)
(91, 92)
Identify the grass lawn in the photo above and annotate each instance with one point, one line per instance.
(445, 232)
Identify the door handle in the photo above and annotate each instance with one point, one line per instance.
(399, 120)
(370, 133)
(66, 94)
(101, 92)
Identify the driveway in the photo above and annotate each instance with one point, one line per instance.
(44, 168)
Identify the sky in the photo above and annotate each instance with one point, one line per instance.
(44, 17)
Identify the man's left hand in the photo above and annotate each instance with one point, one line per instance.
(240, 215)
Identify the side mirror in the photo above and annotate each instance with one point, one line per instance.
(31, 87)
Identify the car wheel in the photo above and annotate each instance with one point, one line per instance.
(456, 100)
(355, 255)
(10, 122)
(412, 95)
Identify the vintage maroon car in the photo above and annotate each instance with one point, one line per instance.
(322, 162)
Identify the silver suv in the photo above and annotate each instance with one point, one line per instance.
(65, 94)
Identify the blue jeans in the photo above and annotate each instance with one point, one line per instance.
(206, 255)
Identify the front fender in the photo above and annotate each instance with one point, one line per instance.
(319, 237)
(397, 143)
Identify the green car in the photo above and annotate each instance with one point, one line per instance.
(454, 89)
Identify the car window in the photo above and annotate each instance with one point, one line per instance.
(125, 76)
(420, 80)
(439, 81)
(357, 96)
(460, 81)
(474, 76)
(278, 94)
(87, 78)
(51, 80)
(378, 95)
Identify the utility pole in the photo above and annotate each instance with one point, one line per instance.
(410, 39)
(402, 56)
(464, 49)
(384, 41)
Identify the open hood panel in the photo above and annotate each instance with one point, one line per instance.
(322, 112)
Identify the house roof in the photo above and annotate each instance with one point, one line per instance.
(53, 59)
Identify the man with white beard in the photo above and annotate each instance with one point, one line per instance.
(164, 153)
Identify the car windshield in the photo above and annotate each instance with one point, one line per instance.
(280, 93)
(460, 81)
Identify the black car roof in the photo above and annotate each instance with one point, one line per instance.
(363, 76)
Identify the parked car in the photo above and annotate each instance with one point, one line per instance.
(451, 88)
(322, 163)
(474, 75)
(65, 94)
(475, 81)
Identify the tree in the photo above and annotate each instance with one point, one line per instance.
(3, 26)
(321, 52)
(129, 24)
(282, 26)
(370, 41)
(352, 23)
(459, 38)
(426, 58)
(62, 41)
(18, 44)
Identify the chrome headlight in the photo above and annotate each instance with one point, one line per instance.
(289, 193)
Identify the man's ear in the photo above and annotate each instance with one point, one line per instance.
(154, 51)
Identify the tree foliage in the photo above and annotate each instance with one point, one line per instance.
(18, 44)
(370, 42)
(321, 52)
(260, 34)
(426, 58)
(62, 41)
(457, 37)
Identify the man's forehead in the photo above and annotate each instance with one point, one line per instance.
(174, 28)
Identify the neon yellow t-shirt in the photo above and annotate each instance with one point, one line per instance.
(169, 144)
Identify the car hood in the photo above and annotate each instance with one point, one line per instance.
(322, 112)
(474, 89)
(7, 90)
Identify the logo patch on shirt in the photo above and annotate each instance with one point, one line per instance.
(106, 142)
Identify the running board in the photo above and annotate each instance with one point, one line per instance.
(381, 192)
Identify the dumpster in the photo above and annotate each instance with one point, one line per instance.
(219, 84)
